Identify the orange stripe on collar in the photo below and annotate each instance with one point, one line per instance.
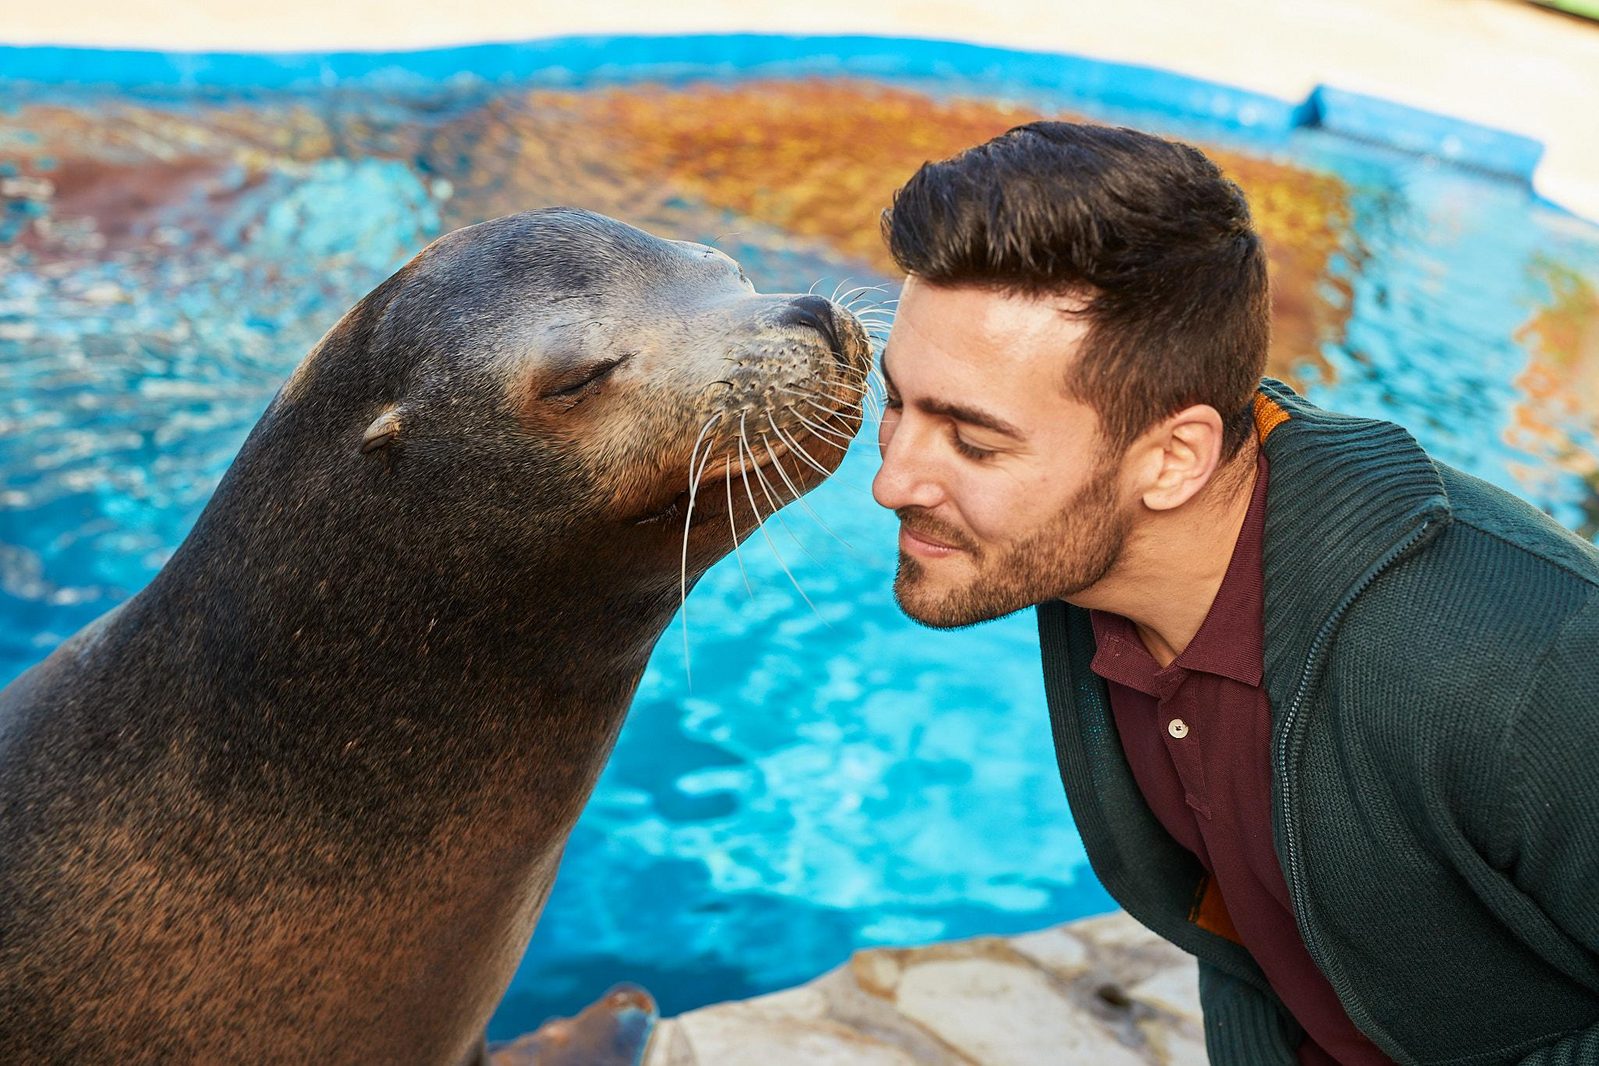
(1269, 414)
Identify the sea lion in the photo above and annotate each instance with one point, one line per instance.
(302, 798)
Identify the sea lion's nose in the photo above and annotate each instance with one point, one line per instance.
(815, 312)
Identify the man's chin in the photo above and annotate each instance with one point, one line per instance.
(938, 608)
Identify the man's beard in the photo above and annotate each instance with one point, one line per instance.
(1069, 553)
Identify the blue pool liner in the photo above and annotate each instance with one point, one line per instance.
(578, 60)
(1370, 118)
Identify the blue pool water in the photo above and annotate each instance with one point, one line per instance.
(834, 777)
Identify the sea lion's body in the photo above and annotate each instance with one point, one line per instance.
(303, 797)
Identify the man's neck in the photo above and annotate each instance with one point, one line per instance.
(1174, 562)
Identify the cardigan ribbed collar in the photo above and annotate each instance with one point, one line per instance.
(1344, 491)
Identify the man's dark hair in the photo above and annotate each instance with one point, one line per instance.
(1146, 230)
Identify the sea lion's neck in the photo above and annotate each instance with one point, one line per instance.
(463, 674)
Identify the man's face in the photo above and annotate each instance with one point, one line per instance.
(1006, 495)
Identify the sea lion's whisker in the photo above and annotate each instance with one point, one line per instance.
(769, 491)
(859, 289)
(732, 524)
(837, 428)
(771, 455)
(828, 412)
(874, 391)
(871, 411)
(859, 390)
(792, 443)
(833, 437)
(859, 293)
(760, 524)
(845, 417)
(877, 315)
(754, 464)
(873, 310)
(857, 387)
(695, 472)
(688, 520)
(777, 465)
(744, 475)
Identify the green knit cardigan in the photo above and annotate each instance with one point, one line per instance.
(1432, 659)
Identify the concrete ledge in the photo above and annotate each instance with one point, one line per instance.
(1101, 992)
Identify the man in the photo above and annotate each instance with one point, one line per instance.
(1326, 711)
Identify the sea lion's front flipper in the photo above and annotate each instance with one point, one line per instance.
(612, 1031)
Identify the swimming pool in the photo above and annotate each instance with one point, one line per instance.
(174, 241)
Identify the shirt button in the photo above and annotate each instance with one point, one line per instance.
(1177, 728)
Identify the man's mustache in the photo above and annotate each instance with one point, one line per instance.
(924, 525)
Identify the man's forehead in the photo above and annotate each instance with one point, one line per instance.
(984, 332)
(993, 323)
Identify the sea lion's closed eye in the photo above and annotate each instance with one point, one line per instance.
(573, 385)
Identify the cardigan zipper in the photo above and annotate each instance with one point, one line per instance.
(1297, 889)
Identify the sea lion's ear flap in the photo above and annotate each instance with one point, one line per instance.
(383, 431)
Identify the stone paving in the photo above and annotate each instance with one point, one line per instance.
(1101, 992)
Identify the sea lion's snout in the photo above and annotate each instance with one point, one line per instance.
(773, 413)
(817, 313)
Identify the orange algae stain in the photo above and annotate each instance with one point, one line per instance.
(822, 159)
(813, 158)
(1559, 387)
(1306, 220)
(810, 161)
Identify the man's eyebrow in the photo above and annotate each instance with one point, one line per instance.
(960, 412)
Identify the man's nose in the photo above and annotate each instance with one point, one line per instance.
(904, 479)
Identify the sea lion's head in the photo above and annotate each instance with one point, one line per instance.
(560, 386)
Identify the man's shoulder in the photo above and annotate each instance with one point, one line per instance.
(1471, 618)
(1381, 463)
(1489, 521)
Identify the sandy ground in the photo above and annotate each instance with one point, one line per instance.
(1503, 63)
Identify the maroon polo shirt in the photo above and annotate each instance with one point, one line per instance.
(1198, 738)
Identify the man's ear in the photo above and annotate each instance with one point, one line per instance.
(1180, 455)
